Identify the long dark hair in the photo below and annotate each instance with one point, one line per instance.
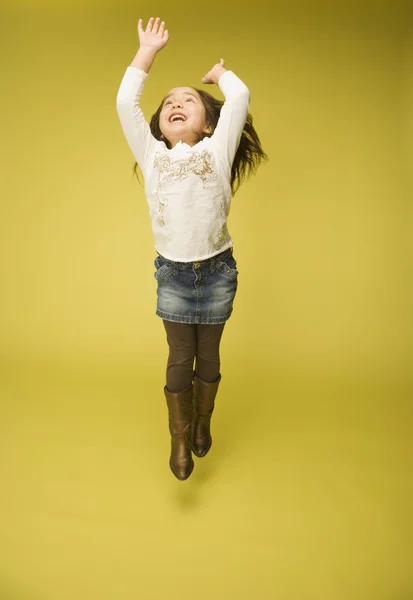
(249, 154)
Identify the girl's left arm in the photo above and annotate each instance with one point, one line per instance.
(234, 111)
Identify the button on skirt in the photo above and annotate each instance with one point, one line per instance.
(196, 292)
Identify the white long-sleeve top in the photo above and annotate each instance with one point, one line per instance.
(187, 187)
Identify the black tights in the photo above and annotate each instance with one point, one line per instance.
(187, 343)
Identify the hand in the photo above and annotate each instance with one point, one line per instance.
(155, 36)
(215, 73)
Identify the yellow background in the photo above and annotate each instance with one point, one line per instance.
(307, 490)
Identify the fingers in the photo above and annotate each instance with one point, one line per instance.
(150, 25)
(209, 77)
(162, 29)
(154, 26)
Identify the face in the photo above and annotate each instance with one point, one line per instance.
(182, 116)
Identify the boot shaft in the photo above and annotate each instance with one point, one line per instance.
(180, 410)
(204, 394)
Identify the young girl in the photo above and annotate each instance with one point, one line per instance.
(193, 155)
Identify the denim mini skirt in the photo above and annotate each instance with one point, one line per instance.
(196, 292)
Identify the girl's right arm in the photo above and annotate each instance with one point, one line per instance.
(151, 41)
(134, 125)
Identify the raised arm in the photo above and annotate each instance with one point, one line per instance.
(234, 112)
(135, 127)
(151, 41)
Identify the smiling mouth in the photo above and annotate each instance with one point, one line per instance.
(178, 118)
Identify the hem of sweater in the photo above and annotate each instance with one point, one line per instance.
(197, 258)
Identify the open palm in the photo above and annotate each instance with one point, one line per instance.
(155, 35)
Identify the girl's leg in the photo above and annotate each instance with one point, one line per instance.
(178, 393)
(206, 381)
(208, 338)
(182, 349)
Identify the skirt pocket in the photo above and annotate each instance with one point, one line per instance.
(228, 268)
(164, 271)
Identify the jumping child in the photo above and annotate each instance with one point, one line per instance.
(194, 154)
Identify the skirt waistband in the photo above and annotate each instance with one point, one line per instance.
(207, 263)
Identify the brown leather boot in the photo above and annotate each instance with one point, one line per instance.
(180, 411)
(204, 401)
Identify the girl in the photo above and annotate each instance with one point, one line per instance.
(193, 155)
